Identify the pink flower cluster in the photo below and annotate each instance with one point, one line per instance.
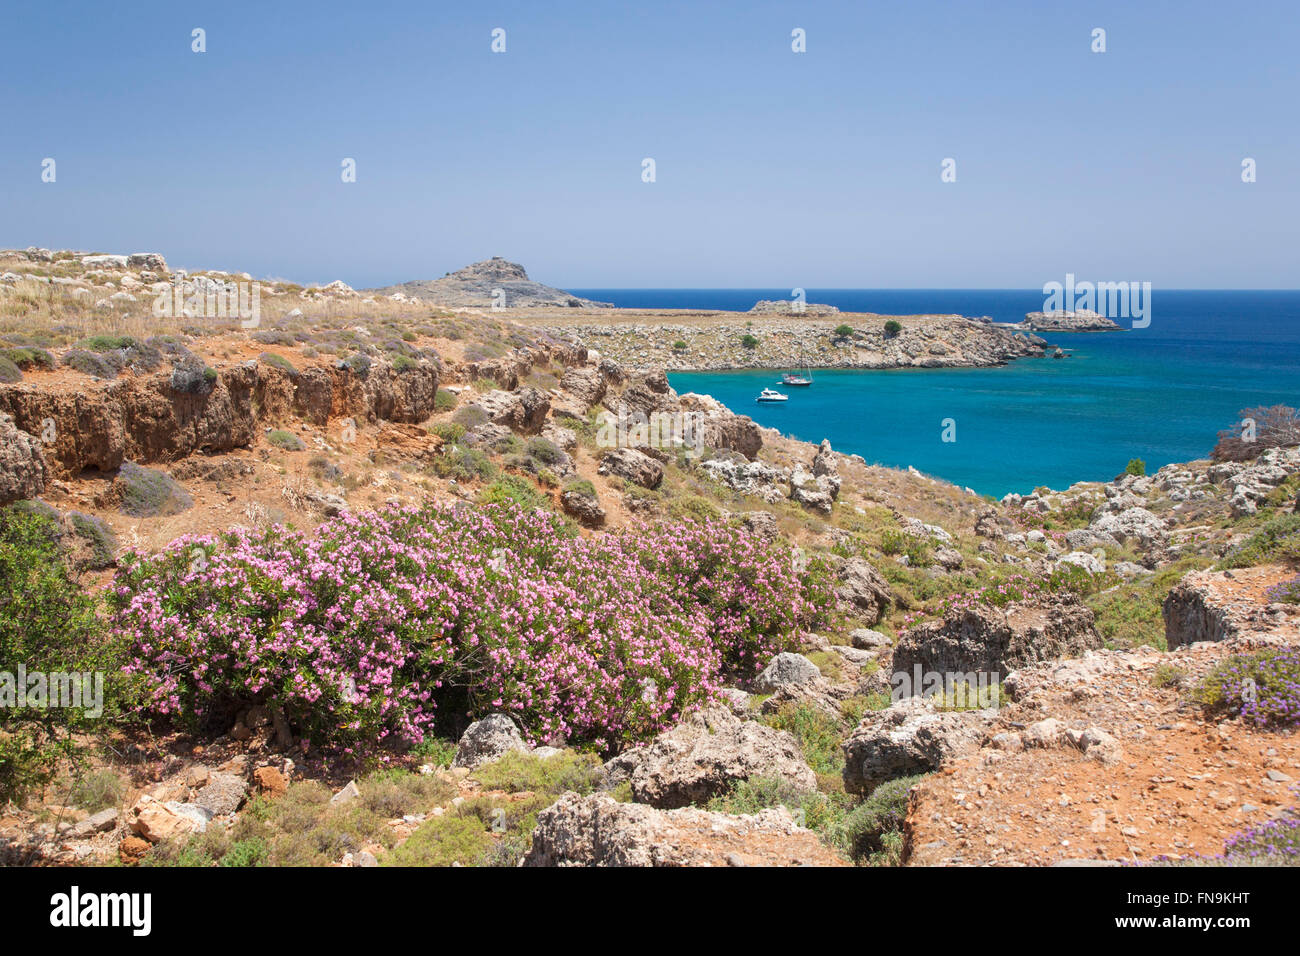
(363, 629)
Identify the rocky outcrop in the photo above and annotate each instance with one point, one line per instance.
(909, 737)
(1192, 612)
(144, 419)
(705, 756)
(583, 507)
(1084, 320)
(634, 466)
(791, 307)
(487, 284)
(599, 831)
(522, 410)
(23, 473)
(990, 640)
(863, 590)
(755, 478)
(1136, 524)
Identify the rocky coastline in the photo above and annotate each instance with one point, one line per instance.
(723, 341)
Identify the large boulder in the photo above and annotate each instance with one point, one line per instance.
(720, 428)
(705, 756)
(157, 820)
(523, 410)
(597, 830)
(990, 640)
(786, 670)
(634, 466)
(649, 393)
(584, 507)
(23, 473)
(863, 590)
(909, 737)
(488, 739)
(224, 793)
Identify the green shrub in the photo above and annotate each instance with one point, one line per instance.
(439, 751)
(749, 341)
(464, 464)
(680, 346)
(146, 493)
(843, 331)
(97, 791)
(693, 507)
(404, 363)
(108, 343)
(445, 401)
(871, 822)
(48, 624)
(397, 792)
(1135, 466)
(9, 372)
(1168, 675)
(511, 489)
(1130, 615)
(818, 734)
(470, 416)
(250, 852)
(1278, 539)
(90, 363)
(278, 361)
(567, 770)
(448, 431)
(28, 357)
(544, 450)
(442, 841)
(98, 538)
(286, 440)
(892, 328)
(581, 486)
(822, 813)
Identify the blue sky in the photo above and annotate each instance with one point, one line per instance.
(774, 169)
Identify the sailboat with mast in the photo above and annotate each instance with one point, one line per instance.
(795, 380)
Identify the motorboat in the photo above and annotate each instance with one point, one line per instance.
(770, 395)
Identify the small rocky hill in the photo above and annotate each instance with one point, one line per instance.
(476, 285)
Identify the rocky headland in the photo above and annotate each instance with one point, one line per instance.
(492, 283)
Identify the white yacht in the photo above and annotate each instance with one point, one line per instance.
(770, 395)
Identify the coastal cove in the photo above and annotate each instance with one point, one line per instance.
(1159, 394)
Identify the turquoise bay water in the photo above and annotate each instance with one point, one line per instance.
(1159, 393)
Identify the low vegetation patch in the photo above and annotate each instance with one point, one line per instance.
(147, 493)
(1262, 688)
(286, 440)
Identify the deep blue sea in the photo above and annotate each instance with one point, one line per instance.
(1158, 393)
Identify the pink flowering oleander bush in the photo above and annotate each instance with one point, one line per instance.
(362, 630)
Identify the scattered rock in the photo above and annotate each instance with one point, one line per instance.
(706, 755)
(488, 739)
(599, 831)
